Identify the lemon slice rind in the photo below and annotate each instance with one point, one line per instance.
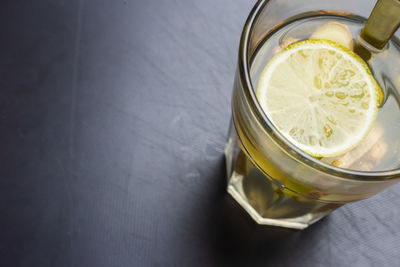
(320, 95)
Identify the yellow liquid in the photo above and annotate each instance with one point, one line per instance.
(269, 194)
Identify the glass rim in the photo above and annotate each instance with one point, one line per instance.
(283, 142)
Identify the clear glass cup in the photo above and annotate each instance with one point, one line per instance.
(274, 181)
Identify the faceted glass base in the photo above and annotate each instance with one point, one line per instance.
(264, 199)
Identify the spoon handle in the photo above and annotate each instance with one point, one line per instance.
(382, 23)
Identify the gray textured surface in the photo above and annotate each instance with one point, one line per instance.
(114, 116)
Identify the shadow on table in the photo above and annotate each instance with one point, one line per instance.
(239, 240)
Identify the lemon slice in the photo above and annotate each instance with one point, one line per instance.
(321, 96)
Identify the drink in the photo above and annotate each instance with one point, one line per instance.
(268, 177)
(386, 72)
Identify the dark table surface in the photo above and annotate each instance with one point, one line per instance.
(113, 119)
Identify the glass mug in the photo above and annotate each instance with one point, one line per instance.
(274, 181)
